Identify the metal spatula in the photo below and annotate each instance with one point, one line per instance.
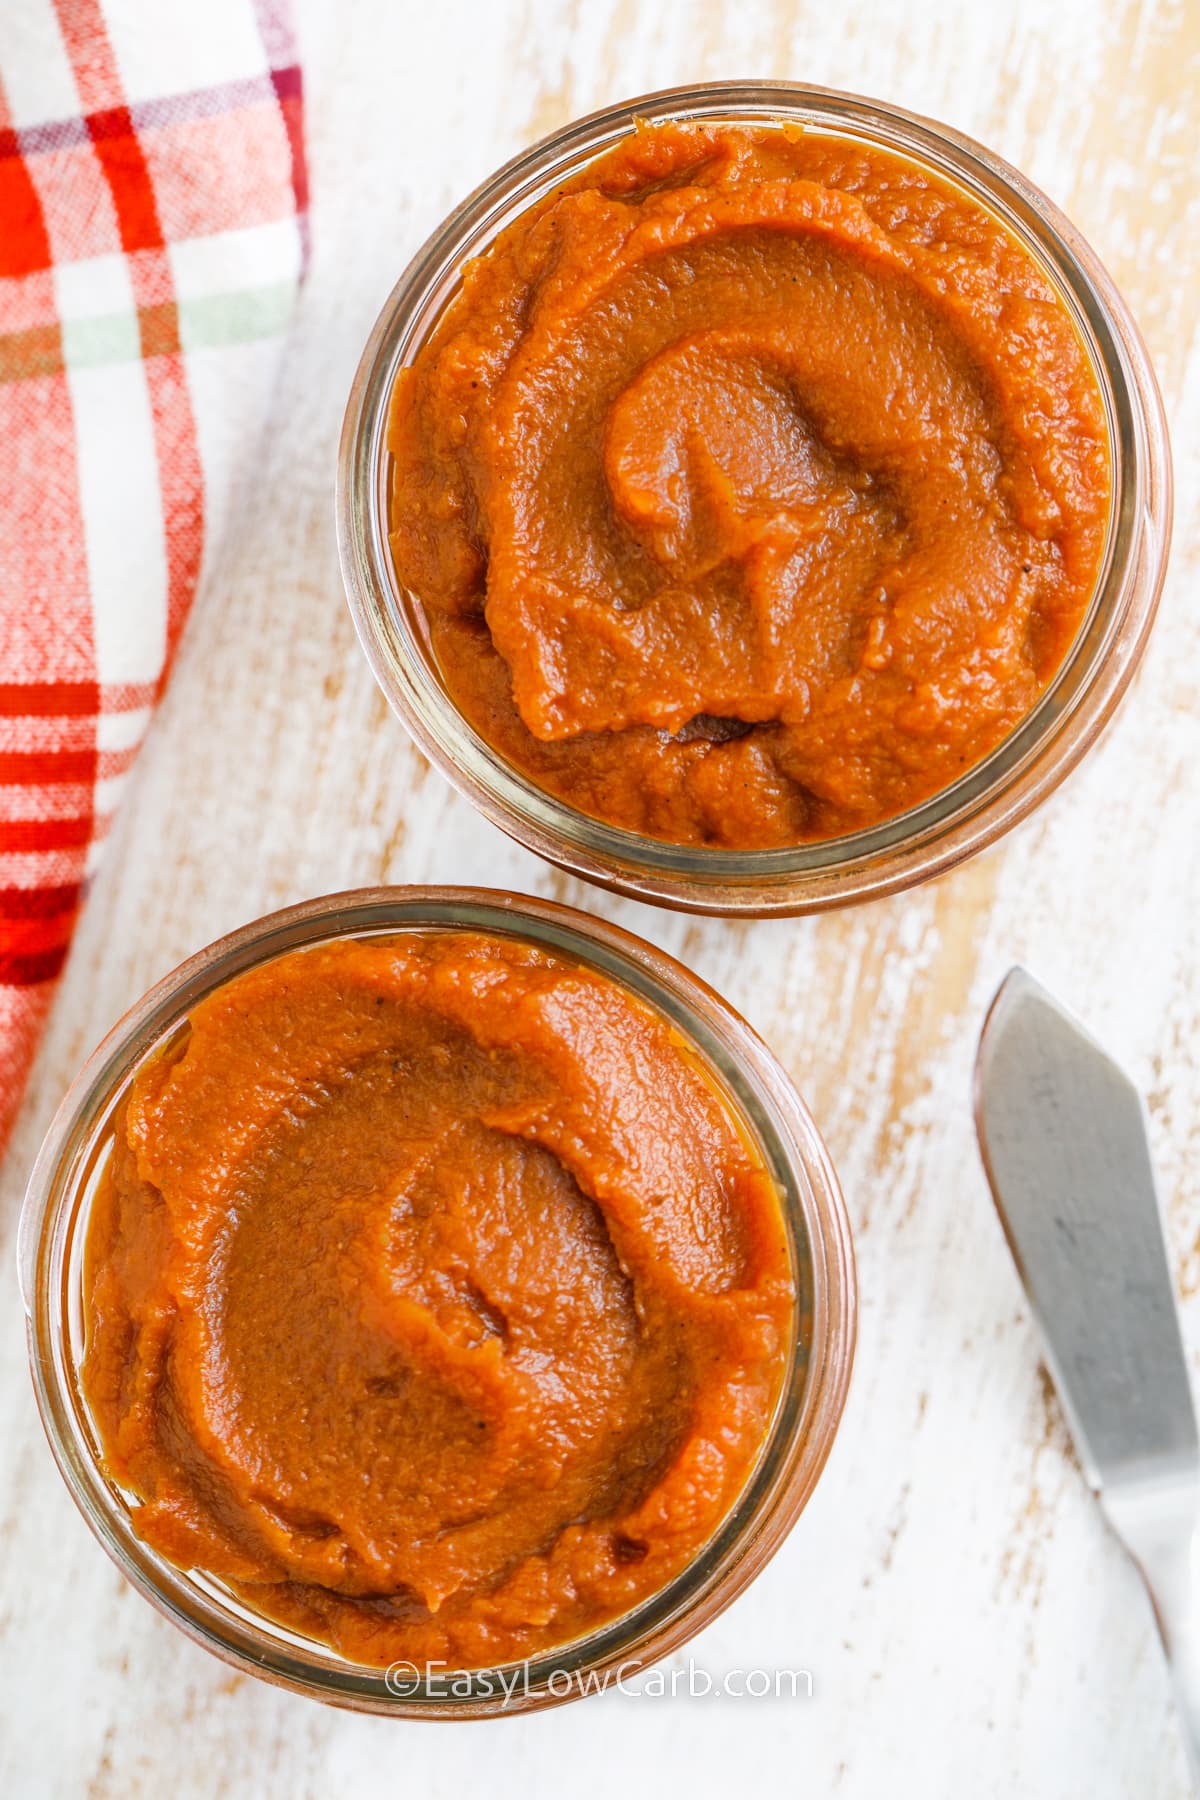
(1063, 1137)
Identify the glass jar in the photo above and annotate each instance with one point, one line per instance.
(53, 1233)
(953, 824)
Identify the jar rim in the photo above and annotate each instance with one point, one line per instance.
(53, 1229)
(958, 820)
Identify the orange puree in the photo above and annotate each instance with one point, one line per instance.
(755, 485)
(436, 1301)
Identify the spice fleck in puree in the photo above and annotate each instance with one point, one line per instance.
(754, 485)
(436, 1301)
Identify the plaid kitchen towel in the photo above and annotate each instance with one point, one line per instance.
(152, 236)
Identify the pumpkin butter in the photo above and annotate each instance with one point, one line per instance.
(436, 1300)
(754, 486)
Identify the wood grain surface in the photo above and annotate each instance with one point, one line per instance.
(970, 1627)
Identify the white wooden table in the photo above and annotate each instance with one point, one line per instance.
(969, 1626)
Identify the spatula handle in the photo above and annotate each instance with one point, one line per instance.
(1175, 1592)
(1159, 1523)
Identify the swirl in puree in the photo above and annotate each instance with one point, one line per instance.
(754, 486)
(436, 1299)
